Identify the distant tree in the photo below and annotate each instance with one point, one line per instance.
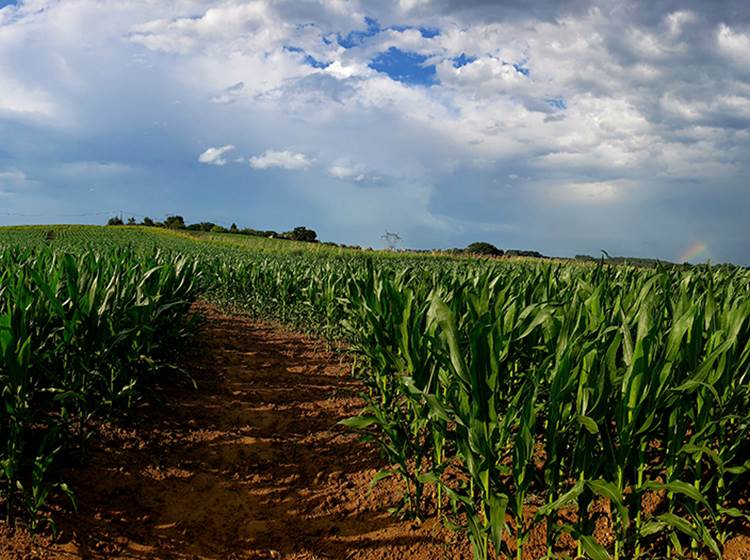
(483, 248)
(131, 221)
(175, 222)
(201, 226)
(523, 253)
(259, 232)
(115, 221)
(218, 229)
(301, 233)
(233, 228)
(148, 222)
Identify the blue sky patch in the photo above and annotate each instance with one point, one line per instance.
(4, 3)
(521, 69)
(406, 67)
(309, 59)
(355, 38)
(557, 103)
(429, 32)
(463, 60)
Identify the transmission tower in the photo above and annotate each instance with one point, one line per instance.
(391, 239)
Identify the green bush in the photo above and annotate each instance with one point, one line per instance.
(483, 248)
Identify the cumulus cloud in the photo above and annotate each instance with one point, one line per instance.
(624, 105)
(215, 156)
(181, 35)
(347, 171)
(734, 43)
(284, 159)
(25, 101)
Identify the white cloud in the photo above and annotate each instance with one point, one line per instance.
(284, 159)
(347, 172)
(253, 20)
(215, 156)
(598, 192)
(734, 44)
(344, 70)
(26, 101)
(676, 21)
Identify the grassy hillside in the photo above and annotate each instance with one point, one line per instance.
(70, 237)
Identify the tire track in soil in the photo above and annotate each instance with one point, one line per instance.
(251, 465)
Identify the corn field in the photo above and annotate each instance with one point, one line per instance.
(524, 395)
(82, 338)
(509, 398)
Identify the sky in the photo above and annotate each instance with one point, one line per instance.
(566, 128)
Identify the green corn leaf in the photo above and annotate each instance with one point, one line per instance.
(588, 423)
(678, 523)
(678, 487)
(612, 493)
(593, 549)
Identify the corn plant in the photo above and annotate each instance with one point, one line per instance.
(82, 338)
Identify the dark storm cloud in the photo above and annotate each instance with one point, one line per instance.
(489, 10)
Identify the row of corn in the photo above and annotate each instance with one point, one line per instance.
(82, 338)
(610, 406)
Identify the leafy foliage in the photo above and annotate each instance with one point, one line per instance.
(301, 233)
(82, 338)
(174, 222)
(482, 248)
(504, 384)
(573, 384)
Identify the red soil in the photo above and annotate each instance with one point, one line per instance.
(251, 465)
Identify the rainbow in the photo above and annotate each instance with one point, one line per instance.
(696, 249)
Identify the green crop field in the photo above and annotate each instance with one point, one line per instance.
(82, 335)
(519, 393)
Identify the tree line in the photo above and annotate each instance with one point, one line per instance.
(300, 233)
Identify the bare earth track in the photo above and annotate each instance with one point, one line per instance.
(251, 465)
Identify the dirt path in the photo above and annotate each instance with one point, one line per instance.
(252, 465)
